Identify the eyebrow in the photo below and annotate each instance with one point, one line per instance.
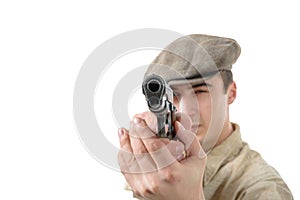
(202, 84)
(194, 86)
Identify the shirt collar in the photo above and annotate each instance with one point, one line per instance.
(222, 153)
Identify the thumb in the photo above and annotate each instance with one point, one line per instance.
(190, 141)
(184, 119)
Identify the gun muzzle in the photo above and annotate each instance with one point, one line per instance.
(159, 97)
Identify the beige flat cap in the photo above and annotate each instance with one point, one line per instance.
(194, 58)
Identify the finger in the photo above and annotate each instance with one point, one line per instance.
(177, 149)
(143, 157)
(126, 157)
(184, 119)
(140, 152)
(157, 149)
(135, 139)
(189, 139)
(129, 163)
(124, 140)
(150, 119)
(139, 131)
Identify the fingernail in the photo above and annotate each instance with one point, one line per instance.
(137, 120)
(120, 132)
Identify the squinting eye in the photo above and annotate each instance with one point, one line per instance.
(176, 97)
(200, 91)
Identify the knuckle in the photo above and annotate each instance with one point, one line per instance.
(189, 137)
(145, 192)
(135, 190)
(189, 134)
(169, 176)
(138, 147)
(154, 188)
(136, 193)
(139, 115)
(153, 146)
(122, 154)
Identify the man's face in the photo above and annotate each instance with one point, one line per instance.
(206, 104)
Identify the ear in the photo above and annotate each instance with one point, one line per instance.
(231, 93)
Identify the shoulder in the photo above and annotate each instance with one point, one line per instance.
(257, 179)
(234, 171)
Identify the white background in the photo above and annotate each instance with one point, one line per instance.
(42, 48)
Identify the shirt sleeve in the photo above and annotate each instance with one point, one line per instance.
(267, 190)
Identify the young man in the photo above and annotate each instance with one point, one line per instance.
(208, 159)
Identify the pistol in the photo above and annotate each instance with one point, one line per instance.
(159, 97)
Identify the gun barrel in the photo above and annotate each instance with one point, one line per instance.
(159, 97)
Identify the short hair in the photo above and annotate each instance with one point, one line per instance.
(227, 78)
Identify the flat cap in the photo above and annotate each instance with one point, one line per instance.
(194, 58)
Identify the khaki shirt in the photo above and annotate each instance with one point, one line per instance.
(234, 171)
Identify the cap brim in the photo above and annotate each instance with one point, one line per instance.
(190, 81)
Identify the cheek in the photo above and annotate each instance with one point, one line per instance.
(218, 109)
(219, 103)
(205, 108)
